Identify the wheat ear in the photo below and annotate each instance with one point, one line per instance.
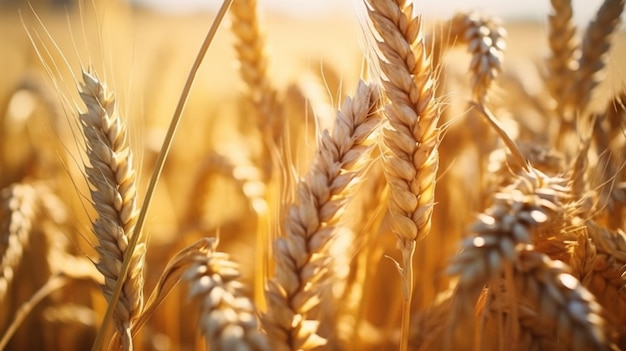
(18, 214)
(227, 318)
(519, 214)
(564, 47)
(18, 203)
(113, 192)
(556, 294)
(485, 40)
(596, 44)
(251, 55)
(302, 254)
(411, 159)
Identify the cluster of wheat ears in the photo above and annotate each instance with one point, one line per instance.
(419, 217)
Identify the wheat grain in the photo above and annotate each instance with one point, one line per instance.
(112, 178)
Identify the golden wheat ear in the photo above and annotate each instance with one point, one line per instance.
(602, 270)
(485, 40)
(111, 177)
(411, 156)
(302, 258)
(252, 58)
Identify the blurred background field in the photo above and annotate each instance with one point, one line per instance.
(145, 56)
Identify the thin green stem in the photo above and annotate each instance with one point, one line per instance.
(156, 174)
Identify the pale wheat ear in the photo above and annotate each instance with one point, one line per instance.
(141, 217)
(111, 177)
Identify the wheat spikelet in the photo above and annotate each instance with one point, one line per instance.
(563, 46)
(301, 255)
(227, 318)
(18, 213)
(596, 44)
(113, 192)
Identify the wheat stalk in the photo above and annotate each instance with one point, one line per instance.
(301, 255)
(111, 176)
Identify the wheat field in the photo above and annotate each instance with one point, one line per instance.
(385, 181)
